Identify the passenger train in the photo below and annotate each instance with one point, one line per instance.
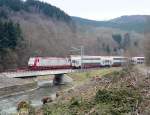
(76, 61)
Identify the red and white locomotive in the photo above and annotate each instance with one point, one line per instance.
(46, 63)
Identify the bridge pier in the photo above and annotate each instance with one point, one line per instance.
(61, 79)
(58, 79)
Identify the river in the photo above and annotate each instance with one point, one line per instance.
(8, 105)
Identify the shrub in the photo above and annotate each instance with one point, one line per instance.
(121, 101)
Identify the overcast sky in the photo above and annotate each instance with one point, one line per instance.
(102, 9)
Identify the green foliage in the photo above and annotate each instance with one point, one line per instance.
(117, 38)
(46, 109)
(103, 96)
(79, 106)
(126, 41)
(121, 101)
(108, 49)
(31, 109)
(10, 33)
(123, 43)
(75, 102)
(49, 10)
(88, 74)
(76, 106)
(136, 43)
(10, 37)
(3, 14)
(15, 5)
(36, 6)
(106, 102)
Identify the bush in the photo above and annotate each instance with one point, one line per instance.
(103, 96)
(121, 101)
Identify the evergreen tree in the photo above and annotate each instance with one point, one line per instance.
(136, 43)
(108, 49)
(126, 41)
(9, 35)
(118, 39)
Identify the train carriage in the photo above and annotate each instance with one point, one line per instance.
(138, 60)
(119, 61)
(87, 61)
(106, 61)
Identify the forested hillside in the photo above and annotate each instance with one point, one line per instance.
(34, 28)
(30, 28)
(35, 6)
(136, 23)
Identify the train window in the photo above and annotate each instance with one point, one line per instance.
(73, 61)
(140, 59)
(91, 59)
(107, 61)
(76, 62)
(119, 58)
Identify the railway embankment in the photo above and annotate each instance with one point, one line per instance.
(12, 86)
(103, 92)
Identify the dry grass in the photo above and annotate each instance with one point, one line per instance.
(82, 77)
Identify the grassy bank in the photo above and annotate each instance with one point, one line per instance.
(113, 93)
(81, 77)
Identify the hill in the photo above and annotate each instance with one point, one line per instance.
(34, 28)
(131, 19)
(136, 23)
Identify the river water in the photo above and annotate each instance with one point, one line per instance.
(8, 105)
